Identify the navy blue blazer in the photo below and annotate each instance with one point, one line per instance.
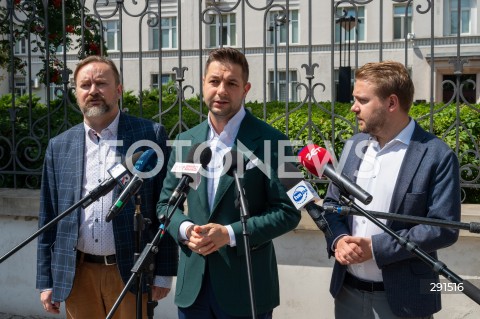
(62, 178)
(428, 185)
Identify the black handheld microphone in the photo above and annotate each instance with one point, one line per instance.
(190, 172)
(146, 162)
(302, 195)
(117, 172)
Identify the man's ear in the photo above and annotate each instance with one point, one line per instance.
(393, 102)
(247, 88)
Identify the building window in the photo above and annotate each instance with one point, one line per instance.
(452, 16)
(402, 21)
(20, 46)
(350, 35)
(56, 91)
(112, 35)
(282, 88)
(165, 79)
(20, 87)
(222, 32)
(280, 28)
(168, 34)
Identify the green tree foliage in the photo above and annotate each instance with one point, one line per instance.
(42, 22)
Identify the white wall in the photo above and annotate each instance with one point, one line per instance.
(303, 266)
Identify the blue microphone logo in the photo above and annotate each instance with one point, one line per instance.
(300, 194)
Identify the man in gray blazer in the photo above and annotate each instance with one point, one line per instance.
(408, 171)
(83, 259)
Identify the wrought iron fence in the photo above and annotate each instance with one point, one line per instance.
(300, 51)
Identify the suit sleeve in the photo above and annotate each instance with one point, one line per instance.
(277, 216)
(169, 185)
(47, 212)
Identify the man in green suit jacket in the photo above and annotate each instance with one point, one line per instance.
(212, 277)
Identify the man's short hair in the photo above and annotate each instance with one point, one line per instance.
(389, 77)
(101, 59)
(229, 55)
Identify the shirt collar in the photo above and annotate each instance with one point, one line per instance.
(405, 135)
(230, 130)
(110, 131)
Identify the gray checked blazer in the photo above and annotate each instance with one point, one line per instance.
(62, 177)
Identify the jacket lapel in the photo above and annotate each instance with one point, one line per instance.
(125, 136)
(199, 135)
(77, 158)
(249, 138)
(414, 155)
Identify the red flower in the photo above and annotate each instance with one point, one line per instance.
(17, 1)
(57, 3)
(70, 28)
(94, 48)
(54, 76)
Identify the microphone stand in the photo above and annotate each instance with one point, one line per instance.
(139, 223)
(473, 227)
(95, 194)
(439, 267)
(145, 262)
(241, 203)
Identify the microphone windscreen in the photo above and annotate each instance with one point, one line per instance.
(135, 157)
(233, 156)
(191, 153)
(313, 157)
(147, 161)
(205, 157)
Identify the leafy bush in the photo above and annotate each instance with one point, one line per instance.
(30, 126)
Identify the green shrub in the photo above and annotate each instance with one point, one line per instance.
(31, 121)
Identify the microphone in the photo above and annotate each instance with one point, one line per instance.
(146, 162)
(303, 195)
(315, 159)
(231, 168)
(190, 172)
(117, 173)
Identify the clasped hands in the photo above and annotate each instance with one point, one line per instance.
(351, 250)
(207, 239)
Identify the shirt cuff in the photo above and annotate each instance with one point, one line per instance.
(335, 241)
(45, 289)
(182, 230)
(233, 241)
(163, 281)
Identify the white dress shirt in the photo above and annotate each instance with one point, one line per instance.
(96, 235)
(377, 175)
(220, 144)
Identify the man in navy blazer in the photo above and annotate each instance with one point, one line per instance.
(408, 171)
(83, 259)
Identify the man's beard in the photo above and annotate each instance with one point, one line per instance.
(376, 123)
(95, 111)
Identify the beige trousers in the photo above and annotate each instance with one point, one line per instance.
(95, 290)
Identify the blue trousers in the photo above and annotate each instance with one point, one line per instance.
(207, 307)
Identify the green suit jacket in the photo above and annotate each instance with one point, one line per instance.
(271, 215)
